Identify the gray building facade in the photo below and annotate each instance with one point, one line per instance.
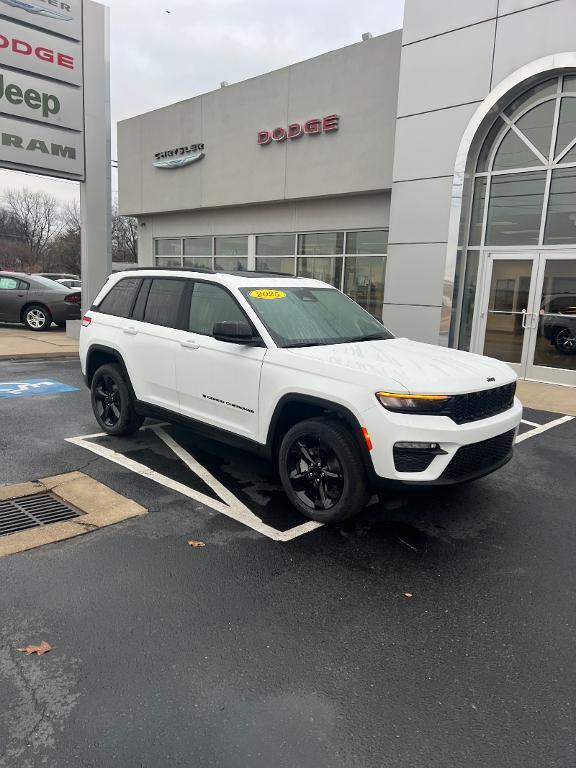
(430, 173)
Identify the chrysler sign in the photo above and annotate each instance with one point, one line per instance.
(61, 16)
(41, 87)
(179, 156)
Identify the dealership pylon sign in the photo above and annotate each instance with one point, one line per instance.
(42, 87)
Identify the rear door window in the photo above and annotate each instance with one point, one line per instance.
(120, 299)
(164, 301)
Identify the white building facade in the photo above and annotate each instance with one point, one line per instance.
(429, 173)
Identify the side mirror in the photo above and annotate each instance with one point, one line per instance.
(234, 332)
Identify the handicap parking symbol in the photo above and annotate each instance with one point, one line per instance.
(33, 387)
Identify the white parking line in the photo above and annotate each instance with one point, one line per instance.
(530, 423)
(229, 504)
(543, 428)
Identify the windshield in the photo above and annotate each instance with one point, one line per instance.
(303, 317)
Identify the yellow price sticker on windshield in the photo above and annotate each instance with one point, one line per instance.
(267, 293)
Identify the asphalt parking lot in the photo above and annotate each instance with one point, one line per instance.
(283, 643)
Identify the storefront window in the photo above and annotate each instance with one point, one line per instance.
(321, 244)
(197, 246)
(561, 220)
(231, 264)
(168, 261)
(168, 246)
(468, 299)
(515, 209)
(477, 218)
(231, 246)
(364, 282)
(283, 264)
(275, 245)
(372, 241)
(327, 269)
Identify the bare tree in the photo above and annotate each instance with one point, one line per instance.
(37, 219)
(65, 248)
(124, 237)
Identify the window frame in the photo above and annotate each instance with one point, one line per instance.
(256, 331)
(96, 307)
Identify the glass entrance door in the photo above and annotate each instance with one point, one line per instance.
(552, 346)
(527, 314)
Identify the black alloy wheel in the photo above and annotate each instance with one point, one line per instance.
(107, 401)
(112, 402)
(565, 341)
(322, 470)
(315, 472)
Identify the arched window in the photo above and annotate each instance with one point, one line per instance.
(525, 180)
(524, 192)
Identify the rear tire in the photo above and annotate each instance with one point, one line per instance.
(322, 470)
(112, 403)
(37, 318)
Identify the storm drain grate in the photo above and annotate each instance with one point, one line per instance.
(32, 512)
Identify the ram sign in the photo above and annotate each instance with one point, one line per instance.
(41, 87)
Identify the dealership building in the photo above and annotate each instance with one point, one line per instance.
(429, 173)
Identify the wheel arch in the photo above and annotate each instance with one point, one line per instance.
(295, 407)
(29, 304)
(98, 355)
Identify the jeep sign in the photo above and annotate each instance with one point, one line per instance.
(26, 96)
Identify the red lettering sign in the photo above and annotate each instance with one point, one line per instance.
(44, 54)
(295, 130)
(311, 127)
(66, 61)
(330, 123)
(19, 46)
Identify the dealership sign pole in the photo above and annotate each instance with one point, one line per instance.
(55, 110)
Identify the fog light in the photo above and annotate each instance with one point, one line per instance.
(419, 446)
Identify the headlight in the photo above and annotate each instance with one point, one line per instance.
(424, 404)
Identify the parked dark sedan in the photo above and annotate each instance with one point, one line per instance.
(36, 301)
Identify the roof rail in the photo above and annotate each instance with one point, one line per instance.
(239, 272)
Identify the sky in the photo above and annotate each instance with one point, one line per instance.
(162, 51)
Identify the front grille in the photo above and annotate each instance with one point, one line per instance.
(475, 459)
(481, 405)
(412, 460)
(32, 512)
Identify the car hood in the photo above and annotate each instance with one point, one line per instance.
(419, 368)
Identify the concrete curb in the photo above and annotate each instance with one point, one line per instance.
(42, 356)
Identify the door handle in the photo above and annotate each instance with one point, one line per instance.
(524, 314)
(189, 345)
(131, 331)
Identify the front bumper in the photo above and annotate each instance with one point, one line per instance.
(484, 439)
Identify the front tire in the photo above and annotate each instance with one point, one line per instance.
(322, 470)
(112, 403)
(565, 341)
(37, 318)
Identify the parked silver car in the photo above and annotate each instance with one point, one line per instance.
(36, 301)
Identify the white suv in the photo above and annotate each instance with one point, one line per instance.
(293, 369)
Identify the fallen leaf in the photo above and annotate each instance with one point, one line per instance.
(407, 594)
(41, 649)
(196, 543)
